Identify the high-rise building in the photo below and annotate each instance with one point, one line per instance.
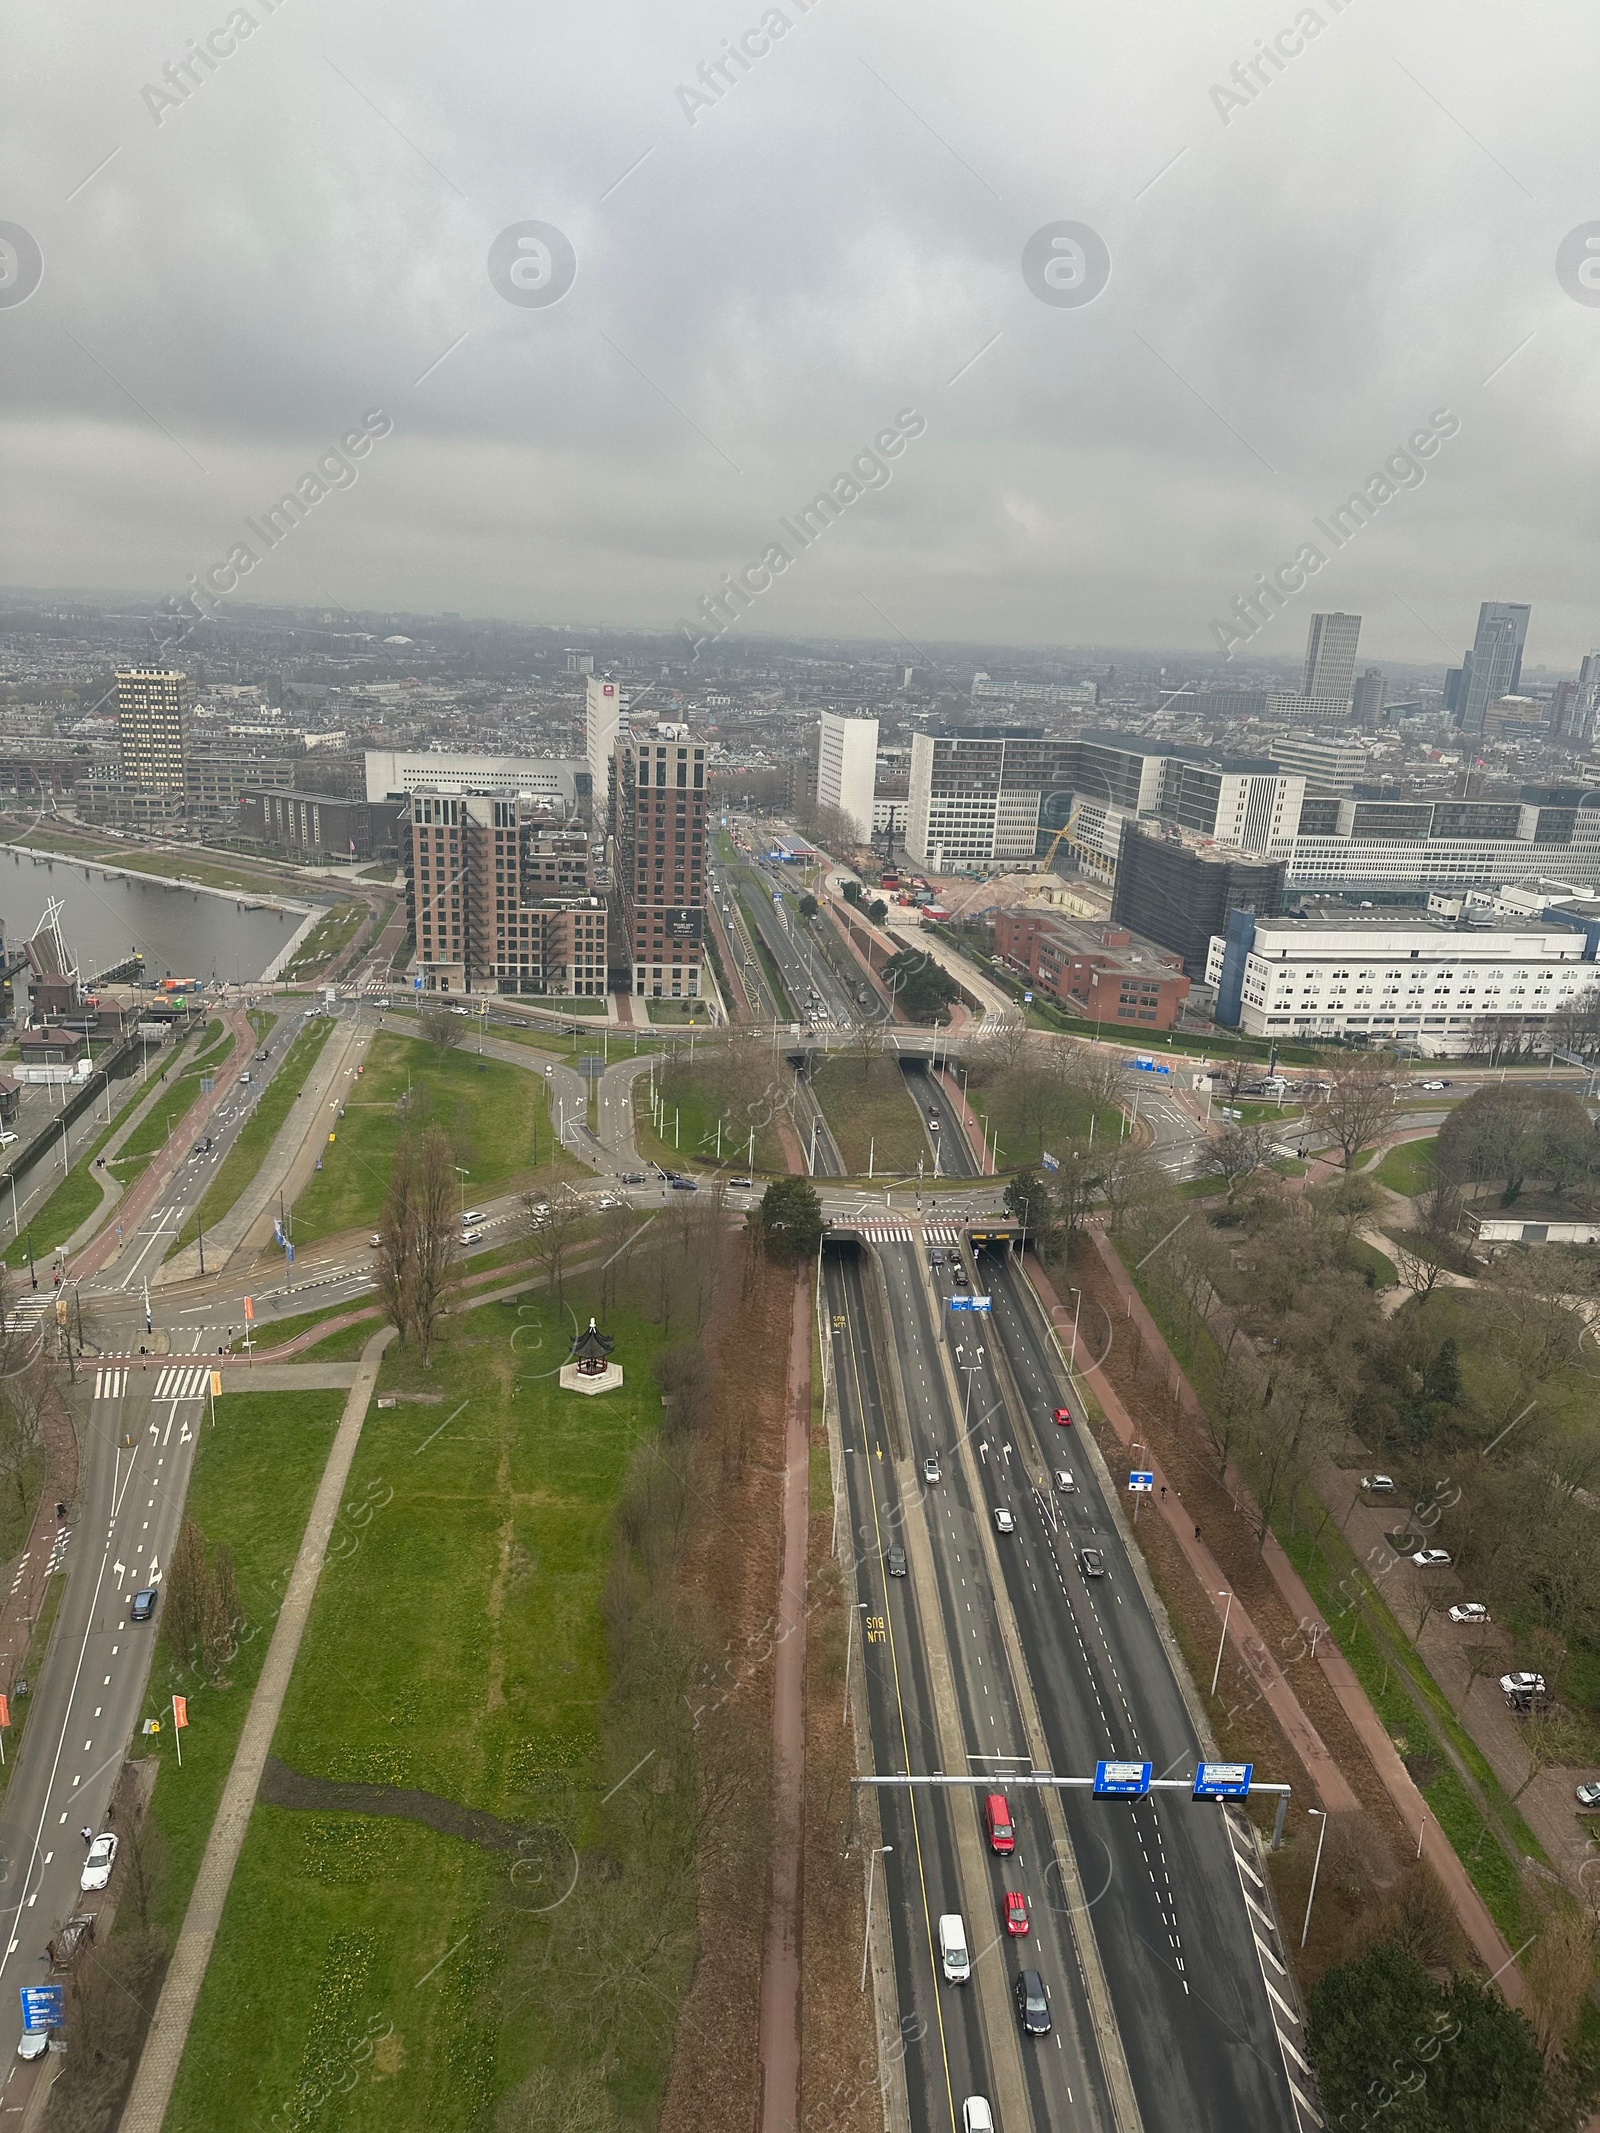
(1180, 893)
(1367, 700)
(847, 768)
(1329, 763)
(1331, 656)
(500, 898)
(1493, 668)
(661, 865)
(605, 717)
(153, 728)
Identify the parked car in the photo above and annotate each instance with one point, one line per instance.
(1432, 1558)
(1004, 1522)
(1588, 1795)
(1378, 1484)
(1470, 1611)
(1016, 1913)
(1523, 1687)
(1091, 1562)
(1063, 1417)
(1064, 1482)
(102, 1858)
(144, 1605)
(33, 2044)
(6, 1139)
(930, 1469)
(1033, 2006)
(894, 1561)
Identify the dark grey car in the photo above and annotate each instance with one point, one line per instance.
(1033, 2007)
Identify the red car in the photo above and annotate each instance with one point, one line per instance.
(997, 1822)
(1064, 1417)
(1016, 1913)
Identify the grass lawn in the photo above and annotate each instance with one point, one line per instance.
(689, 1136)
(1023, 1138)
(254, 1477)
(1377, 1266)
(326, 938)
(248, 1152)
(456, 1645)
(871, 1115)
(1408, 1168)
(669, 1011)
(497, 1116)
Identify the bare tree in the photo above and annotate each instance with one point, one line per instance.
(1234, 1155)
(416, 1238)
(1360, 1103)
(441, 1028)
(553, 1238)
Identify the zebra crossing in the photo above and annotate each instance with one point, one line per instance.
(901, 1233)
(183, 1381)
(28, 1310)
(110, 1384)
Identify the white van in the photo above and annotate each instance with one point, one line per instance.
(953, 1957)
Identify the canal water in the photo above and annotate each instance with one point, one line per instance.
(182, 932)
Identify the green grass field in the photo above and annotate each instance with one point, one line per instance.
(331, 933)
(872, 1116)
(1025, 1135)
(1408, 1168)
(456, 1646)
(689, 1138)
(254, 1477)
(497, 1117)
(248, 1152)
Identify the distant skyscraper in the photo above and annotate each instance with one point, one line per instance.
(1453, 679)
(153, 728)
(1366, 706)
(1331, 656)
(1494, 665)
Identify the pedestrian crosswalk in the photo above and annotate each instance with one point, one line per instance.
(28, 1310)
(901, 1233)
(110, 1384)
(183, 1381)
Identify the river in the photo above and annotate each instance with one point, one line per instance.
(183, 932)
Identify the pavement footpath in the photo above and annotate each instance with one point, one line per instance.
(180, 1994)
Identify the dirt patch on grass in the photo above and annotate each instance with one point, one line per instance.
(283, 1787)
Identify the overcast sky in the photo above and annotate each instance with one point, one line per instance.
(769, 276)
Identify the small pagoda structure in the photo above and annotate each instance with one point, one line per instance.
(589, 1368)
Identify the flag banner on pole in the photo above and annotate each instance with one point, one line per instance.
(5, 1710)
(250, 1310)
(180, 1711)
(1049, 1161)
(216, 1383)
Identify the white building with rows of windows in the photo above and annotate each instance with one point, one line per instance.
(1397, 978)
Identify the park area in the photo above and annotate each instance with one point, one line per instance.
(497, 1117)
(475, 1864)
(872, 1114)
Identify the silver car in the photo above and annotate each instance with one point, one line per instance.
(1064, 1482)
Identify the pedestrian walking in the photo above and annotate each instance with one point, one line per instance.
(1197, 1532)
(87, 1835)
(1163, 1492)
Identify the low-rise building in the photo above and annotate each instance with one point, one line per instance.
(1099, 972)
(1414, 980)
(319, 825)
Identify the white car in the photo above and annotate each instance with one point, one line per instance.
(1003, 1520)
(6, 1139)
(1588, 1795)
(976, 2116)
(1432, 1558)
(374, 1240)
(1470, 1611)
(1378, 1484)
(102, 1858)
(1433, 1086)
(1523, 1688)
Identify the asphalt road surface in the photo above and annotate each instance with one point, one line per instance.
(92, 1693)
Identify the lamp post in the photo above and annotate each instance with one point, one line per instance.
(463, 1175)
(1216, 1671)
(1072, 1358)
(878, 1851)
(1321, 1816)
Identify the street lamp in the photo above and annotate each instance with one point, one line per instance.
(1072, 1359)
(879, 1851)
(1216, 1671)
(463, 1175)
(1322, 1817)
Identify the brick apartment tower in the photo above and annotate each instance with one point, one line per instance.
(153, 728)
(661, 859)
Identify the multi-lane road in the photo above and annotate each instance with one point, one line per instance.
(995, 1653)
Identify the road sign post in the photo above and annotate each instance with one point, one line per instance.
(1223, 1781)
(43, 2007)
(1140, 1485)
(1121, 1780)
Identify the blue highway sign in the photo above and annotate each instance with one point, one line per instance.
(1122, 1780)
(1223, 1781)
(43, 2007)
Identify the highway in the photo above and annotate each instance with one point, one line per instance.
(1141, 1924)
(141, 1433)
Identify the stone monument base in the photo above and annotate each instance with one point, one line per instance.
(575, 1380)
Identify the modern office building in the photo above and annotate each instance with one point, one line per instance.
(1367, 700)
(661, 866)
(1330, 668)
(549, 781)
(1493, 668)
(500, 899)
(1376, 847)
(847, 768)
(320, 825)
(1179, 892)
(153, 728)
(215, 780)
(1424, 982)
(1329, 763)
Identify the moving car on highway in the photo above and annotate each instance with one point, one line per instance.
(1033, 2006)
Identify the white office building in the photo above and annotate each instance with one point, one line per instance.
(1329, 763)
(391, 773)
(1330, 668)
(847, 768)
(605, 716)
(1406, 979)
